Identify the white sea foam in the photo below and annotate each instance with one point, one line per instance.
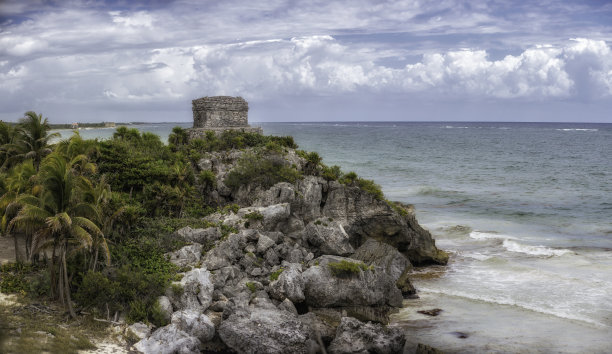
(513, 246)
(480, 235)
(477, 256)
(578, 130)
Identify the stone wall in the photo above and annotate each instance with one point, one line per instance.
(219, 112)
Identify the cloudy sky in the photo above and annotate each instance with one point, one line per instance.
(85, 60)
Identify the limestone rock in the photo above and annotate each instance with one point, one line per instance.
(364, 288)
(318, 326)
(289, 285)
(169, 340)
(426, 349)
(281, 192)
(287, 305)
(264, 243)
(226, 253)
(165, 306)
(404, 284)
(197, 290)
(264, 330)
(139, 330)
(365, 217)
(383, 255)
(353, 336)
(328, 237)
(187, 256)
(201, 236)
(195, 324)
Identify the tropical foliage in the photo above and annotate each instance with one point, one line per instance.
(92, 219)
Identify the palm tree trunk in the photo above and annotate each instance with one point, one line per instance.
(17, 253)
(67, 284)
(52, 271)
(95, 260)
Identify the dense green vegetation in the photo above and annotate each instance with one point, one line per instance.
(96, 217)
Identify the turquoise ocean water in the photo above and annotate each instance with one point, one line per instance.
(525, 209)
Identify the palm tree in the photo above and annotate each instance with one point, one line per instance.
(59, 219)
(177, 138)
(33, 138)
(18, 180)
(7, 138)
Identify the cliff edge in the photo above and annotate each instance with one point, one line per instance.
(303, 259)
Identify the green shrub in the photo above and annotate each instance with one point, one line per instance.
(254, 216)
(157, 316)
(177, 290)
(332, 173)
(261, 170)
(274, 275)
(397, 207)
(207, 179)
(138, 311)
(367, 185)
(230, 208)
(251, 286)
(346, 268)
(348, 178)
(14, 277)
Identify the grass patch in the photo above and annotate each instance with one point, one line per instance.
(251, 286)
(346, 268)
(40, 328)
(274, 275)
(254, 216)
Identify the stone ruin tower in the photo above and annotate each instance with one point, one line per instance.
(220, 113)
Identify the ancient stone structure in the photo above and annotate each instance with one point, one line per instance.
(220, 113)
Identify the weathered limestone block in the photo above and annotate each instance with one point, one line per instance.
(353, 336)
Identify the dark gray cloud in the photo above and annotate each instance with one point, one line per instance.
(131, 60)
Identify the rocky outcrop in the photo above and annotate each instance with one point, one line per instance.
(324, 288)
(295, 269)
(188, 255)
(194, 291)
(265, 330)
(289, 285)
(354, 336)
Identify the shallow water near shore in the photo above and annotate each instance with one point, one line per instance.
(525, 210)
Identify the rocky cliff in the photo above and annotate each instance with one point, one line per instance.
(298, 267)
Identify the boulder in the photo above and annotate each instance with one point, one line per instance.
(265, 330)
(383, 255)
(197, 290)
(319, 326)
(195, 324)
(403, 283)
(139, 330)
(323, 288)
(226, 253)
(289, 285)
(426, 349)
(281, 192)
(287, 305)
(166, 307)
(353, 336)
(274, 214)
(328, 237)
(264, 243)
(169, 340)
(201, 236)
(187, 256)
